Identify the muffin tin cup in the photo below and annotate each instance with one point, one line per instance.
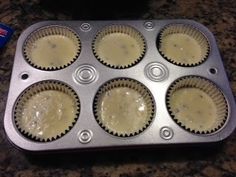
(123, 120)
(127, 49)
(88, 77)
(176, 40)
(36, 120)
(194, 111)
(42, 45)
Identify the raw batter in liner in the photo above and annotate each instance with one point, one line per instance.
(119, 49)
(48, 114)
(181, 48)
(194, 108)
(53, 51)
(123, 110)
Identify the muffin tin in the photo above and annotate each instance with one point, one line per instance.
(106, 84)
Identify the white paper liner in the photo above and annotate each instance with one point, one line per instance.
(211, 90)
(191, 32)
(52, 30)
(124, 83)
(32, 91)
(119, 29)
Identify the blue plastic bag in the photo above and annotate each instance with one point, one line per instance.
(5, 34)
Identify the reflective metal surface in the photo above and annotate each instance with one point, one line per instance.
(87, 74)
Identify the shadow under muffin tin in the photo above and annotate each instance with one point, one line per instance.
(103, 84)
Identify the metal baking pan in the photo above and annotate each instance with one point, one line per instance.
(87, 74)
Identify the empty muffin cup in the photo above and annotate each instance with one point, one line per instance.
(124, 107)
(52, 47)
(46, 111)
(197, 105)
(183, 45)
(119, 46)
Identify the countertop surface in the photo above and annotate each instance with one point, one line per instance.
(213, 161)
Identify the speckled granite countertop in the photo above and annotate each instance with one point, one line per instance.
(218, 161)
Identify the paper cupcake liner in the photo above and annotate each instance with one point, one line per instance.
(33, 124)
(112, 125)
(121, 30)
(52, 30)
(210, 89)
(190, 32)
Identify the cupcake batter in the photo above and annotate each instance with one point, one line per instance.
(119, 49)
(123, 110)
(194, 108)
(181, 48)
(53, 51)
(48, 114)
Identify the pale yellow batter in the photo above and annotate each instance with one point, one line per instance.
(181, 48)
(119, 49)
(53, 51)
(48, 114)
(194, 108)
(123, 110)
